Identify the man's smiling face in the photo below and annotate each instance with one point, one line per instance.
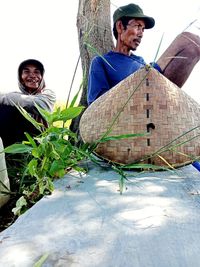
(31, 78)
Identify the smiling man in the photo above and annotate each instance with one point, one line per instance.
(32, 91)
(31, 77)
(129, 26)
(32, 86)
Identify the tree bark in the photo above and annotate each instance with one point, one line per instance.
(95, 36)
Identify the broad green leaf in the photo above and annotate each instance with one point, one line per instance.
(32, 167)
(71, 113)
(17, 149)
(56, 166)
(36, 153)
(66, 114)
(61, 173)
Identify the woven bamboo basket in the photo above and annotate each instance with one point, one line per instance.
(145, 102)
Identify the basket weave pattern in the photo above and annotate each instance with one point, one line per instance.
(156, 107)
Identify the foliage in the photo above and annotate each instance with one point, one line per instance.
(48, 156)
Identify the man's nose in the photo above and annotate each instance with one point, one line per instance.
(32, 74)
(140, 34)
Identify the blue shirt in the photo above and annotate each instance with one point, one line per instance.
(110, 69)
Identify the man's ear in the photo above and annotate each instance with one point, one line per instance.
(119, 26)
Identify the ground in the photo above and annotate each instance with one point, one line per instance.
(7, 217)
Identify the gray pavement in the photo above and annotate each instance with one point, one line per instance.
(87, 223)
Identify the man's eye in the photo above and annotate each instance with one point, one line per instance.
(139, 27)
(37, 72)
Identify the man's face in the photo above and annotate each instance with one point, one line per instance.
(31, 78)
(131, 35)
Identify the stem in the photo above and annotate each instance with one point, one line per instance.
(70, 89)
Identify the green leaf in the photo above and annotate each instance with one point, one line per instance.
(45, 113)
(40, 262)
(71, 113)
(61, 173)
(94, 50)
(121, 184)
(143, 166)
(122, 136)
(56, 166)
(42, 187)
(36, 153)
(77, 94)
(158, 49)
(50, 185)
(66, 114)
(37, 125)
(17, 149)
(19, 204)
(31, 140)
(32, 167)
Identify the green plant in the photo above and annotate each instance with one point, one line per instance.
(49, 155)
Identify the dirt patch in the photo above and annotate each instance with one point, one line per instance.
(7, 217)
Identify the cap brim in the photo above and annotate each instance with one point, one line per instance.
(149, 21)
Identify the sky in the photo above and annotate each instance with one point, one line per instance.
(46, 30)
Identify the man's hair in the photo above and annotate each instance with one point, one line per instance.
(124, 21)
(34, 62)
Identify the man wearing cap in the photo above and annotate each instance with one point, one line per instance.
(32, 91)
(176, 63)
(129, 25)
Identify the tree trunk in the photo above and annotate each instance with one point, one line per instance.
(95, 36)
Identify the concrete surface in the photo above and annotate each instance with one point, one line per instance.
(86, 222)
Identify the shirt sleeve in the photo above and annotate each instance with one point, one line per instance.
(46, 100)
(97, 81)
(156, 66)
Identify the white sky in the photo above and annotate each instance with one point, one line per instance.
(46, 30)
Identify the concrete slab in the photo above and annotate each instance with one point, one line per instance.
(87, 223)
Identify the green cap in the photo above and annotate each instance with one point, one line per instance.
(133, 11)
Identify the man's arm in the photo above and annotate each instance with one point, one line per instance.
(97, 82)
(46, 100)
